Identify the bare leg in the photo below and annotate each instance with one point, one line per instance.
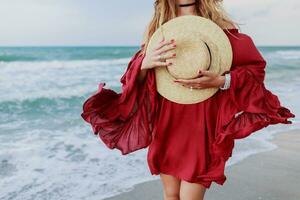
(191, 191)
(171, 186)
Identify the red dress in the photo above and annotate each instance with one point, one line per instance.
(192, 141)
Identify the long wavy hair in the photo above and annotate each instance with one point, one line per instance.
(165, 10)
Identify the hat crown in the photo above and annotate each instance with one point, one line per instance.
(182, 67)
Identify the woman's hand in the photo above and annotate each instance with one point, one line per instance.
(206, 79)
(157, 57)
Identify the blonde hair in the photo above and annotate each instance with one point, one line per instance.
(165, 10)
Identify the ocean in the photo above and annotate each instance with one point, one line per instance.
(48, 152)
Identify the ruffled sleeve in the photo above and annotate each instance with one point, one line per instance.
(124, 121)
(248, 105)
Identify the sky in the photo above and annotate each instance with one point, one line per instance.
(123, 22)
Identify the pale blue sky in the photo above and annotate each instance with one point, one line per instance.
(122, 22)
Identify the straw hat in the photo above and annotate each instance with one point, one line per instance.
(200, 45)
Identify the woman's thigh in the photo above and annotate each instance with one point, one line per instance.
(191, 191)
(171, 186)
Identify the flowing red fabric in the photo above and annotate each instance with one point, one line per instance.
(189, 141)
(123, 121)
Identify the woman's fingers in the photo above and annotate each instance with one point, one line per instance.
(165, 48)
(158, 56)
(160, 64)
(163, 43)
(163, 57)
(207, 73)
(193, 86)
(200, 80)
(187, 81)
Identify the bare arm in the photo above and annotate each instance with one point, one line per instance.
(143, 72)
(142, 75)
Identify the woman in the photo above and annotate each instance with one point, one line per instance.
(189, 144)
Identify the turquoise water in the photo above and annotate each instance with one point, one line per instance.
(12, 54)
(48, 152)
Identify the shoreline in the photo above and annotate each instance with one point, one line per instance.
(272, 174)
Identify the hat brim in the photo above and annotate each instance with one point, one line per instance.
(197, 30)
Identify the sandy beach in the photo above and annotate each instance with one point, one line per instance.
(271, 175)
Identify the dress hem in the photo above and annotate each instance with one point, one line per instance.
(206, 184)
